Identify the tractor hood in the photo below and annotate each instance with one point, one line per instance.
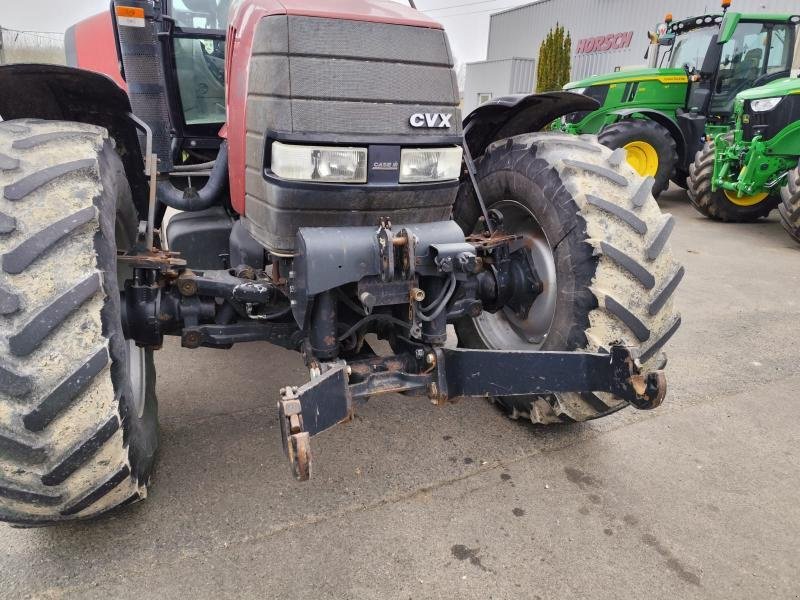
(662, 75)
(376, 11)
(779, 87)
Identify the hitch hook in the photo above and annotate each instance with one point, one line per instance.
(296, 441)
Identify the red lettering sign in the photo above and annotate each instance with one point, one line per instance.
(604, 43)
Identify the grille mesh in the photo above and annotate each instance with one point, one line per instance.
(350, 76)
(362, 80)
(146, 89)
(369, 41)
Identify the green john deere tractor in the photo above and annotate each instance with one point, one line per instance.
(738, 175)
(662, 115)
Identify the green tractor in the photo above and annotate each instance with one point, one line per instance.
(662, 115)
(737, 176)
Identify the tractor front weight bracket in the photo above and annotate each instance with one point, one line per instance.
(446, 374)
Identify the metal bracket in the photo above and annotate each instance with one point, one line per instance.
(151, 170)
(148, 136)
(443, 374)
(386, 251)
(462, 372)
(310, 409)
(473, 177)
(296, 442)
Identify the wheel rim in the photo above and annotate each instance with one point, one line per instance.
(643, 157)
(137, 371)
(745, 200)
(503, 329)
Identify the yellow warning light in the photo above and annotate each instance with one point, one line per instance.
(668, 18)
(131, 12)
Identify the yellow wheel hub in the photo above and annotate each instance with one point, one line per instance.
(642, 157)
(745, 200)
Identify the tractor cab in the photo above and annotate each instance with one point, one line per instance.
(676, 44)
(723, 55)
(745, 51)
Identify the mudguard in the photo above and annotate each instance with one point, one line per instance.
(56, 92)
(507, 116)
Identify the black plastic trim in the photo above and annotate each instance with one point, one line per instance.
(769, 123)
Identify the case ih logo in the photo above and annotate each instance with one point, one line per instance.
(612, 41)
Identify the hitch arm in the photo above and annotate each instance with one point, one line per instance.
(463, 372)
(448, 373)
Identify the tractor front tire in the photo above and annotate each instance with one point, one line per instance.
(78, 422)
(789, 209)
(721, 205)
(651, 149)
(599, 243)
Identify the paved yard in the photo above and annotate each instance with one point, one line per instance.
(698, 499)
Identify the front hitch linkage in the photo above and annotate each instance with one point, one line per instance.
(446, 374)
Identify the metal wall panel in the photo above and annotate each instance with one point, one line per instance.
(518, 32)
(497, 78)
(523, 75)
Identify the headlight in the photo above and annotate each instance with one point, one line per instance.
(429, 164)
(764, 104)
(319, 163)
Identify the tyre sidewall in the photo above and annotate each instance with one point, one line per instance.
(624, 132)
(557, 213)
(118, 217)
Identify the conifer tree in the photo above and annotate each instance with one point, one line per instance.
(553, 66)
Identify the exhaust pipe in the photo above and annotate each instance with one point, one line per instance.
(192, 199)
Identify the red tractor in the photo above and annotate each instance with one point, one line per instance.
(324, 193)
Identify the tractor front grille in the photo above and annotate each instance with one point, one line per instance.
(334, 81)
(337, 77)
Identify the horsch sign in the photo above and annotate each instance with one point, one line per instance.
(603, 43)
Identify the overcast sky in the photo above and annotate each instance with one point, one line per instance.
(467, 21)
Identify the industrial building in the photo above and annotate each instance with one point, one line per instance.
(607, 35)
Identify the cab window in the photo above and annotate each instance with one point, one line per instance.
(755, 50)
(199, 46)
(200, 14)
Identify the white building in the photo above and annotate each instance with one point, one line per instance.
(607, 35)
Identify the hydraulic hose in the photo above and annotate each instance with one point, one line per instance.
(192, 199)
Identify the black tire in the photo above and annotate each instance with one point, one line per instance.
(78, 413)
(789, 209)
(614, 271)
(681, 179)
(716, 205)
(621, 133)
